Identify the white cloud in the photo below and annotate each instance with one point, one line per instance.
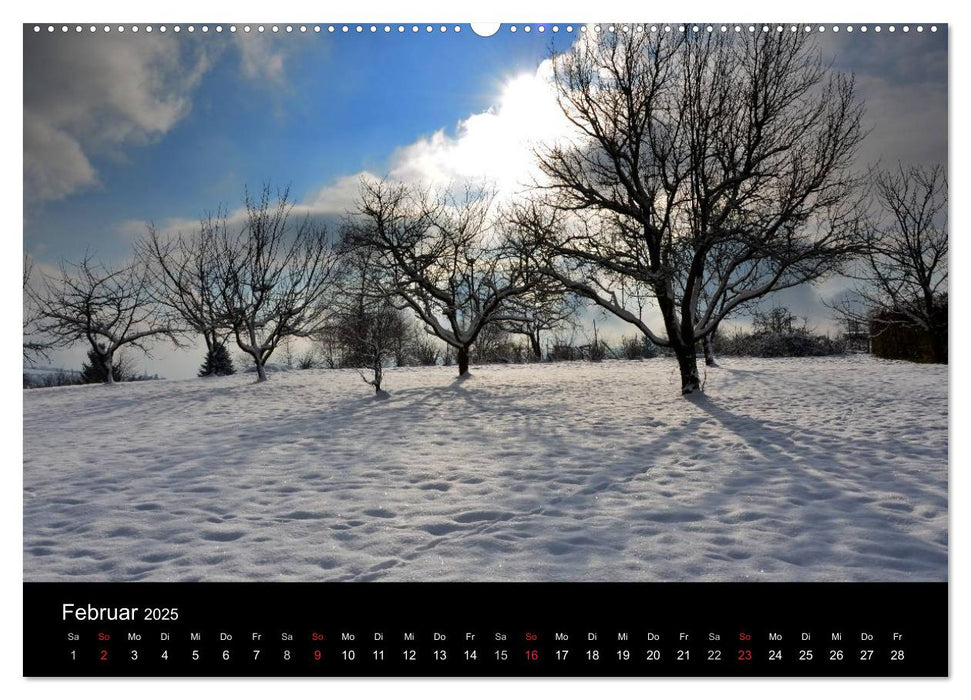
(261, 58)
(336, 198)
(114, 92)
(130, 230)
(329, 203)
(54, 162)
(495, 145)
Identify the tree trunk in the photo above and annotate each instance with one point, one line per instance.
(377, 377)
(684, 351)
(939, 345)
(260, 372)
(463, 361)
(688, 365)
(210, 346)
(536, 347)
(709, 348)
(108, 363)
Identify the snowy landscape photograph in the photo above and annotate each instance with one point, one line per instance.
(646, 303)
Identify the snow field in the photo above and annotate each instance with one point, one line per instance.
(785, 470)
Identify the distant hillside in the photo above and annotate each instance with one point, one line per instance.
(35, 377)
(41, 377)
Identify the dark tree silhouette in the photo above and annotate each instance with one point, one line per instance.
(445, 258)
(373, 336)
(274, 277)
(368, 328)
(184, 276)
(107, 308)
(708, 171)
(546, 308)
(903, 276)
(218, 362)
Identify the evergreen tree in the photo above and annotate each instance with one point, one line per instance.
(94, 370)
(218, 362)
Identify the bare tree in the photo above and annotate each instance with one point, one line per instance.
(35, 348)
(445, 259)
(707, 169)
(184, 276)
(778, 320)
(107, 308)
(274, 277)
(367, 326)
(546, 308)
(903, 275)
(374, 335)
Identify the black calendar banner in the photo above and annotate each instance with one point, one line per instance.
(474, 629)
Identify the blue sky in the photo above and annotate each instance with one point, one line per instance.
(338, 105)
(121, 130)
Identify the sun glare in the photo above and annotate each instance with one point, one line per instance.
(524, 116)
(496, 145)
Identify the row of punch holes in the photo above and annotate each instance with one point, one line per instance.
(513, 28)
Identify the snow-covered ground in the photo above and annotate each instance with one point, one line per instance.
(787, 470)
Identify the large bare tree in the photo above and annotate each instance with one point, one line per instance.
(903, 274)
(184, 275)
(109, 308)
(707, 169)
(445, 257)
(274, 276)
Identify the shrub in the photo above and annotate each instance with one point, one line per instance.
(799, 342)
(497, 346)
(563, 350)
(424, 351)
(307, 360)
(894, 336)
(596, 351)
(636, 347)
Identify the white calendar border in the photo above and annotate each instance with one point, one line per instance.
(489, 10)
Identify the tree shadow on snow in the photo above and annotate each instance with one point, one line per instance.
(837, 512)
